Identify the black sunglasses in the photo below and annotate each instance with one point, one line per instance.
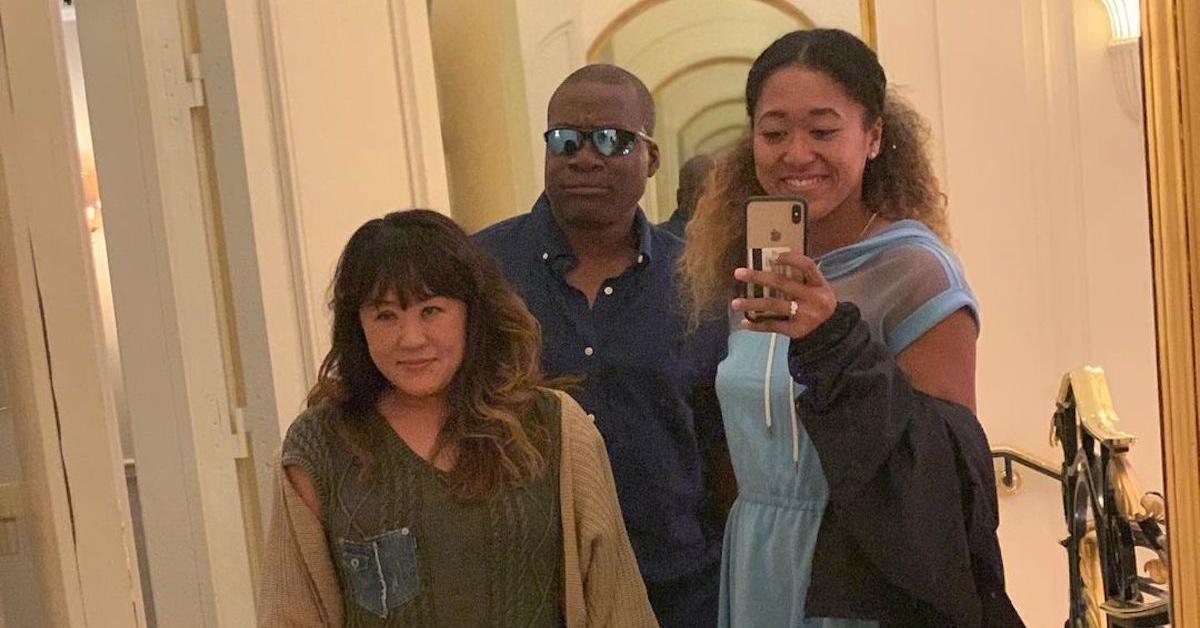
(608, 142)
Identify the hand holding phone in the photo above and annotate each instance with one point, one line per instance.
(774, 225)
(805, 300)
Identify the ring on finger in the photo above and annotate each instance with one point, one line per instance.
(793, 307)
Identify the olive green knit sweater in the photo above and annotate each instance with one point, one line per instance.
(408, 552)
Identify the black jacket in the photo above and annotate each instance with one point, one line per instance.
(909, 535)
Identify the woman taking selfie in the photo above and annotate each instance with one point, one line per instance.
(432, 481)
(865, 485)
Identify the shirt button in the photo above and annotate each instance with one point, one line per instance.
(545, 256)
(588, 351)
(608, 290)
(641, 259)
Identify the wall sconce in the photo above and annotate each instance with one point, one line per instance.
(1124, 52)
(92, 214)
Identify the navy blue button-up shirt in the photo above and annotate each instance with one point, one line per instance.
(640, 367)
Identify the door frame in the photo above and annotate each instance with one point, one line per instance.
(143, 97)
(150, 133)
(63, 412)
(1171, 63)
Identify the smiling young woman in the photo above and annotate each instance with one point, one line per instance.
(881, 487)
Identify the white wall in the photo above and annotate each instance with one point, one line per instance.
(481, 80)
(344, 84)
(552, 46)
(595, 16)
(322, 119)
(1046, 181)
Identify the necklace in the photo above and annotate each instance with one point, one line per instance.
(857, 239)
(865, 227)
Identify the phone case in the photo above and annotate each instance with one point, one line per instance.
(774, 225)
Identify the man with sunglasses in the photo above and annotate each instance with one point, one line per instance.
(600, 279)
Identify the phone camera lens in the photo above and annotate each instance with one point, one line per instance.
(797, 214)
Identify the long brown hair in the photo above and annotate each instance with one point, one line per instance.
(899, 183)
(418, 254)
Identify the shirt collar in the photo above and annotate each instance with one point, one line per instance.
(555, 245)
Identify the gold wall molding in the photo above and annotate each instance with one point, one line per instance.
(1171, 61)
(869, 34)
(630, 14)
(696, 67)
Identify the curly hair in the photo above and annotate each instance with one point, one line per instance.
(899, 183)
(415, 255)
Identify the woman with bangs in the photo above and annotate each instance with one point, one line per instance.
(434, 480)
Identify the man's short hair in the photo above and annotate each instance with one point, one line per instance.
(608, 74)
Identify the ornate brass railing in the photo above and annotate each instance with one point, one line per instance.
(1106, 513)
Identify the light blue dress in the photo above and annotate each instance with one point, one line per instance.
(905, 281)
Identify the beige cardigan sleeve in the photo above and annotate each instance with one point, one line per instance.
(606, 589)
(297, 586)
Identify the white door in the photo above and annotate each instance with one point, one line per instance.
(66, 507)
(196, 480)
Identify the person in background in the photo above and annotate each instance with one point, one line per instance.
(691, 184)
(433, 479)
(600, 279)
(866, 492)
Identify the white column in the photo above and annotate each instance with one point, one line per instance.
(161, 222)
(52, 341)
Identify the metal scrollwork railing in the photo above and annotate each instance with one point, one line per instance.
(1107, 514)
(1010, 479)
